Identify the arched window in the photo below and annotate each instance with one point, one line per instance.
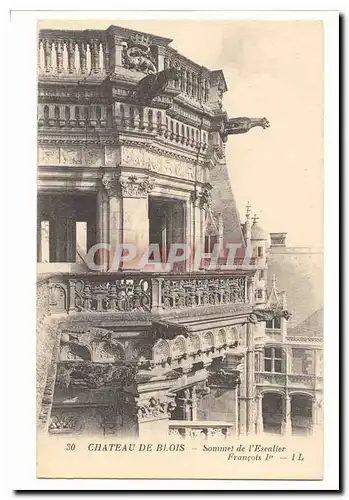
(77, 113)
(98, 113)
(197, 136)
(67, 113)
(56, 113)
(177, 132)
(86, 114)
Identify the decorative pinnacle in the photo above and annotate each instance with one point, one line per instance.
(274, 281)
(255, 219)
(248, 210)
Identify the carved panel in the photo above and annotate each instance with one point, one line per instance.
(93, 157)
(48, 156)
(170, 166)
(119, 295)
(133, 157)
(161, 350)
(109, 352)
(112, 156)
(71, 156)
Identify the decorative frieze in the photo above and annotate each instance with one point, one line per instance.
(71, 156)
(48, 156)
(197, 292)
(121, 295)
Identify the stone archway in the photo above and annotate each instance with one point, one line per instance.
(272, 405)
(301, 413)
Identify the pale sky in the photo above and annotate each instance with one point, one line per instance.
(272, 69)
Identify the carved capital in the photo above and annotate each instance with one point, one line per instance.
(202, 197)
(110, 183)
(131, 187)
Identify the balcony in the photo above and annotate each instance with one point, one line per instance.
(140, 292)
(200, 430)
(296, 381)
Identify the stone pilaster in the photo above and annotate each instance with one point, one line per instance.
(259, 416)
(286, 428)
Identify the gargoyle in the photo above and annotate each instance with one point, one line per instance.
(153, 85)
(243, 124)
(268, 315)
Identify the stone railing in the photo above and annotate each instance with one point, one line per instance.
(71, 52)
(299, 380)
(303, 340)
(131, 292)
(269, 378)
(200, 430)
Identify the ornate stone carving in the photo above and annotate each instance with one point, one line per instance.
(203, 197)
(93, 157)
(133, 157)
(155, 409)
(224, 379)
(110, 182)
(95, 375)
(243, 124)
(153, 85)
(137, 55)
(267, 315)
(200, 292)
(170, 167)
(121, 295)
(48, 156)
(131, 187)
(62, 423)
(71, 156)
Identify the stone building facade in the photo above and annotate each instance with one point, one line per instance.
(130, 153)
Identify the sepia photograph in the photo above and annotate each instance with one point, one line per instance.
(180, 247)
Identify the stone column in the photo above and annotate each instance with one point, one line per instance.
(44, 228)
(115, 52)
(250, 389)
(83, 57)
(70, 238)
(286, 428)
(47, 45)
(259, 419)
(316, 413)
(59, 52)
(71, 55)
(103, 226)
(194, 404)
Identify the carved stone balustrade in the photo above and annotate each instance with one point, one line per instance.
(201, 431)
(142, 292)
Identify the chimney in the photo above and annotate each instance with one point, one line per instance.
(278, 239)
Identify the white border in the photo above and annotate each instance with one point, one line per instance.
(20, 200)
